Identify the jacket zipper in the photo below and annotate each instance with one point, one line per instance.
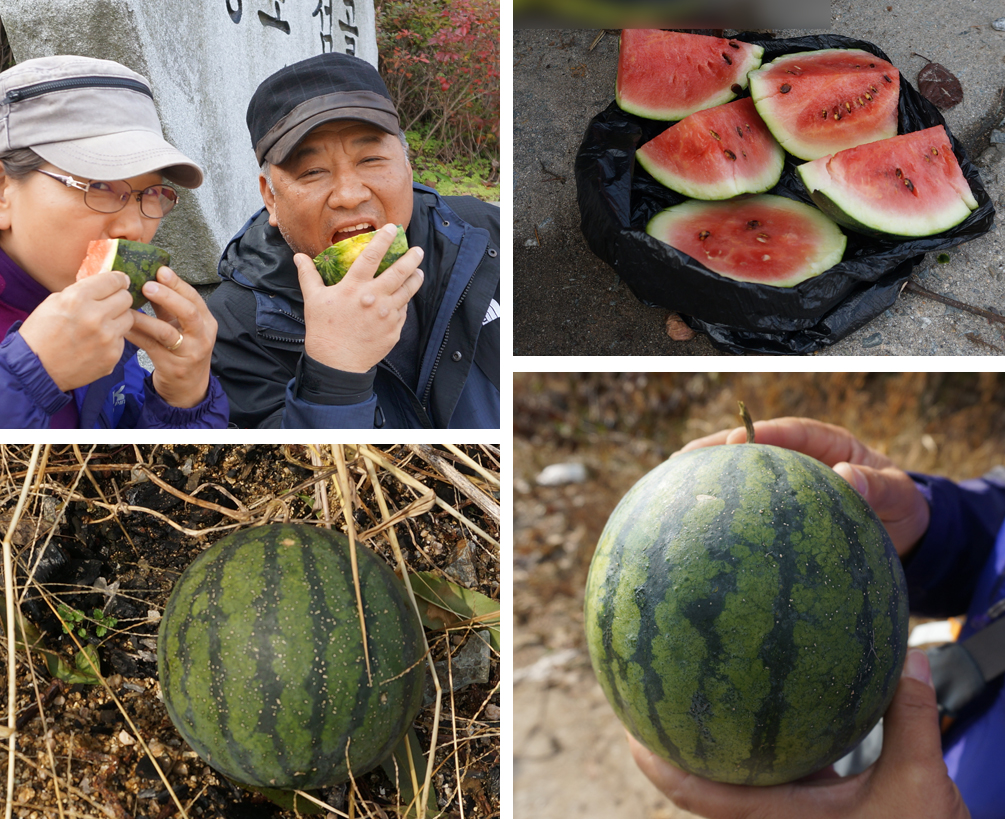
(38, 89)
(446, 336)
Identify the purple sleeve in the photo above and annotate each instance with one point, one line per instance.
(942, 570)
(212, 413)
(28, 395)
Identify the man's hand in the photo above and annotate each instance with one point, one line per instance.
(179, 340)
(352, 325)
(79, 333)
(890, 491)
(908, 780)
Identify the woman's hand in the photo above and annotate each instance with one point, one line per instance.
(909, 779)
(179, 340)
(889, 490)
(78, 333)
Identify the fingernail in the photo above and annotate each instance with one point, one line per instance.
(150, 288)
(857, 479)
(421, 252)
(917, 667)
(421, 274)
(390, 230)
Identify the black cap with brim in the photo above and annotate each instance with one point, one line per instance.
(326, 88)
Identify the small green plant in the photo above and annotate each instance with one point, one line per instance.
(75, 620)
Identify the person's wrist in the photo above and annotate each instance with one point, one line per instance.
(186, 398)
(338, 357)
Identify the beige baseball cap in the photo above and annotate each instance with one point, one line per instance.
(92, 118)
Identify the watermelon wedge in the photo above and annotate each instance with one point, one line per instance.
(137, 260)
(334, 262)
(716, 153)
(668, 74)
(820, 102)
(908, 185)
(764, 239)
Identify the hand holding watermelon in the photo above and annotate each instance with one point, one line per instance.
(89, 318)
(179, 340)
(889, 490)
(353, 324)
(909, 779)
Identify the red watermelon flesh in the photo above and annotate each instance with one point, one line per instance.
(764, 239)
(820, 102)
(668, 74)
(908, 185)
(716, 153)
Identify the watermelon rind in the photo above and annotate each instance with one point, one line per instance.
(667, 75)
(849, 97)
(716, 153)
(767, 239)
(261, 662)
(138, 260)
(746, 614)
(334, 262)
(909, 185)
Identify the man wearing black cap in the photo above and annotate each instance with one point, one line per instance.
(416, 346)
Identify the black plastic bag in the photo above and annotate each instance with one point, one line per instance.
(617, 199)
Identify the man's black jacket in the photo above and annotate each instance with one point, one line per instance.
(443, 373)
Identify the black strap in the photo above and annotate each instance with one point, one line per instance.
(961, 671)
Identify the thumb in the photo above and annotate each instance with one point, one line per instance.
(894, 498)
(310, 279)
(911, 736)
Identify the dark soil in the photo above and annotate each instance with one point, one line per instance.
(116, 551)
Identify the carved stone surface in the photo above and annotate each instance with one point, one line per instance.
(204, 60)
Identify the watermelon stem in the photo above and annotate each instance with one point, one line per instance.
(747, 422)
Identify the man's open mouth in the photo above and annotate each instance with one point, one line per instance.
(352, 230)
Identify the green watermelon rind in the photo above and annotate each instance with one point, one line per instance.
(138, 260)
(740, 72)
(831, 252)
(334, 262)
(849, 207)
(276, 706)
(746, 614)
(721, 189)
(762, 82)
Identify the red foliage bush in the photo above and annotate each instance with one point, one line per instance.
(440, 60)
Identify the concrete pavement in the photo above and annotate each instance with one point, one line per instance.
(569, 302)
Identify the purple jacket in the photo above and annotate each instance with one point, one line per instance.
(959, 566)
(125, 399)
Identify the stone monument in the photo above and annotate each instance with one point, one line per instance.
(204, 59)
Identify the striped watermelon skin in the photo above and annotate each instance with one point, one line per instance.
(746, 614)
(261, 664)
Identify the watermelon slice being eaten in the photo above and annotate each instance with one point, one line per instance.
(764, 239)
(716, 153)
(821, 102)
(908, 185)
(668, 74)
(139, 261)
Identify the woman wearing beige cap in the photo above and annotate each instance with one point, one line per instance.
(82, 158)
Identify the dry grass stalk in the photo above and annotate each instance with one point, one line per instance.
(362, 462)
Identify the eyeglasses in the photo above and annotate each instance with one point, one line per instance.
(111, 197)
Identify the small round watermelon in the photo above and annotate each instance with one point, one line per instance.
(716, 153)
(746, 614)
(669, 74)
(820, 102)
(908, 185)
(262, 664)
(764, 239)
